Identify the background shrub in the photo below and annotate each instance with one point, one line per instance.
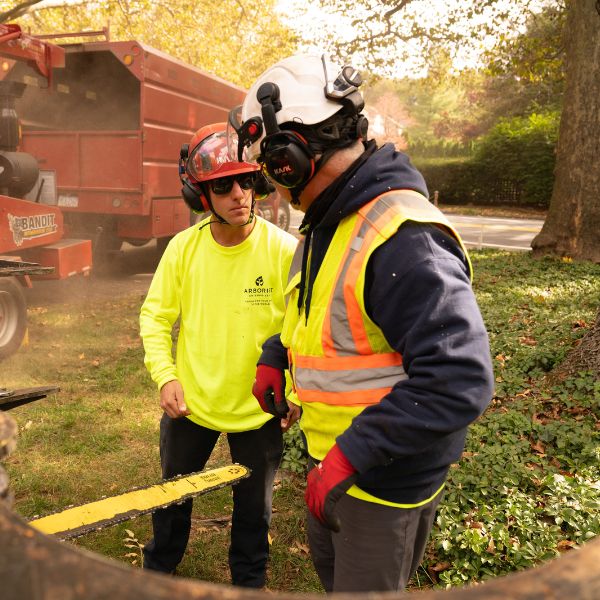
(512, 164)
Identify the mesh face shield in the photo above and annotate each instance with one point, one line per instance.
(210, 159)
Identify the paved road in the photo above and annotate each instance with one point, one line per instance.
(493, 232)
(481, 232)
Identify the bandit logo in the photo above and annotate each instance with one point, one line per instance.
(30, 227)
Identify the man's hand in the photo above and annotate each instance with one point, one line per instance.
(294, 412)
(269, 390)
(326, 484)
(171, 400)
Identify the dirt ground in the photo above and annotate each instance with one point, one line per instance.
(128, 273)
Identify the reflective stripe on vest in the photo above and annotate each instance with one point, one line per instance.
(350, 380)
(351, 372)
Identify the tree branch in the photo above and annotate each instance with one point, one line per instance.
(394, 10)
(17, 11)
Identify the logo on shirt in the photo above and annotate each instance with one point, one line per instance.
(258, 294)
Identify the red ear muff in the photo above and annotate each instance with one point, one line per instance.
(287, 158)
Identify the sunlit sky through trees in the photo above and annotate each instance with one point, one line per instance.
(321, 24)
(315, 24)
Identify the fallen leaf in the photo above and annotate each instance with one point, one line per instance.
(442, 566)
(303, 548)
(469, 454)
(539, 448)
(565, 545)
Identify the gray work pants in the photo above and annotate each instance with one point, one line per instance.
(377, 549)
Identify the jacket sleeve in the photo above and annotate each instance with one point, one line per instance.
(158, 314)
(274, 353)
(418, 292)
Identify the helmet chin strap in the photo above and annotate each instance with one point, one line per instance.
(220, 220)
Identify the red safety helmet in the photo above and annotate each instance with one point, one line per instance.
(207, 157)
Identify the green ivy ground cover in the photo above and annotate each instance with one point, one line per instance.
(528, 485)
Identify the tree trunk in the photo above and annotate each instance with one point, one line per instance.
(572, 227)
(585, 356)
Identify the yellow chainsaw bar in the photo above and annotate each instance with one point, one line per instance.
(79, 520)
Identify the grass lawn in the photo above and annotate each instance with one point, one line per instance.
(526, 489)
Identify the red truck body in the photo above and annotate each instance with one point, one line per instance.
(110, 133)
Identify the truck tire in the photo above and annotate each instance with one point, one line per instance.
(283, 215)
(13, 316)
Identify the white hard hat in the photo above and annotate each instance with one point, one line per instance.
(307, 84)
(301, 82)
(305, 91)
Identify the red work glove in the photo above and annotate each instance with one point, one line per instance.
(269, 390)
(326, 484)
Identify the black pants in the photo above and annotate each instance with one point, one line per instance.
(184, 448)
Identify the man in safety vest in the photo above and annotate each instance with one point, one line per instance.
(383, 337)
(224, 279)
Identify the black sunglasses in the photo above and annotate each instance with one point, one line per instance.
(224, 185)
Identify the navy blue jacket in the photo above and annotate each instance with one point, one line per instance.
(418, 292)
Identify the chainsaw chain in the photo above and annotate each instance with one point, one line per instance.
(84, 530)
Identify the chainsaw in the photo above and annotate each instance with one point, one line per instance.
(76, 521)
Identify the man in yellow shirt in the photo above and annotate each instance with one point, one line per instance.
(224, 279)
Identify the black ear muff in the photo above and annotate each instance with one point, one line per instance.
(362, 127)
(263, 187)
(193, 196)
(285, 155)
(287, 158)
(191, 192)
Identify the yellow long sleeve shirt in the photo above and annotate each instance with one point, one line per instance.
(229, 301)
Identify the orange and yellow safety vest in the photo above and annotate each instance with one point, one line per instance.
(339, 358)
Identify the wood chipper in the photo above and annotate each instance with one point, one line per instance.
(30, 230)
